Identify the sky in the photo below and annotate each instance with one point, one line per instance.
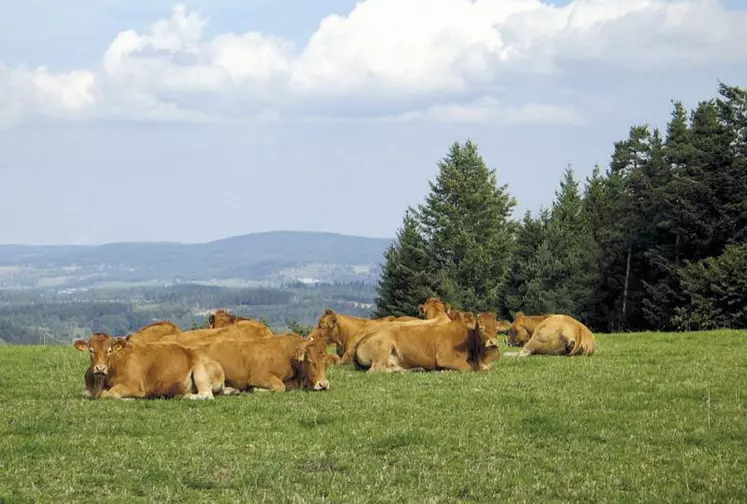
(148, 120)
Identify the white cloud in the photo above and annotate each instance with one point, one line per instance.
(449, 58)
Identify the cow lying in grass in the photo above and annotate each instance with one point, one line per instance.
(120, 369)
(283, 362)
(522, 328)
(559, 335)
(345, 331)
(464, 344)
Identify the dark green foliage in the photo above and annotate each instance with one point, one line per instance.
(404, 282)
(525, 288)
(466, 222)
(716, 291)
(555, 268)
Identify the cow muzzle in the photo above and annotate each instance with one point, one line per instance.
(321, 385)
(100, 369)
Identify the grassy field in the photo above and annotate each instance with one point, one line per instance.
(649, 418)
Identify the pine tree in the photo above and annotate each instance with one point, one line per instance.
(524, 288)
(404, 282)
(467, 223)
(561, 273)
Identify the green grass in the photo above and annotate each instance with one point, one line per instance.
(649, 418)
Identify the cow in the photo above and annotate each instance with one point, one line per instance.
(559, 335)
(223, 318)
(154, 332)
(450, 345)
(433, 307)
(235, 331)
(392, 318)
(121, 369)
(344, 331)
(281, 363)
(503, 326)
(151, 332)
(522, 328)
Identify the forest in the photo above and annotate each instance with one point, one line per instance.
(51, 318)
(656, 241)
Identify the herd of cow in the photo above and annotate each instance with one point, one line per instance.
(236, 354)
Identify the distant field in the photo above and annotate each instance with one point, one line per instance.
(650, 418)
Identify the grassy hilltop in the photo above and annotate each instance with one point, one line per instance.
(649, 418)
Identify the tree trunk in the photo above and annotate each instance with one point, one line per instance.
(625, 289)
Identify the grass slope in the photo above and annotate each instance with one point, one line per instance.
(650, 418)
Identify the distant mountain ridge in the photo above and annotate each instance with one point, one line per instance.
(267, 258)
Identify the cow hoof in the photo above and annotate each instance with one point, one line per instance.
(199, 396)
(230, 391)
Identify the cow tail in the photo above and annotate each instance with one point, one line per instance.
(358, 364)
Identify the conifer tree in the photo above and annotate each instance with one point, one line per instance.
(404, 282)
(466, 219)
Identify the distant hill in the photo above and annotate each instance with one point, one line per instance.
(271, 258)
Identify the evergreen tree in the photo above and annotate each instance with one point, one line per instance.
(467, 223)
(524, 290)
(560, 274)
(404, 282)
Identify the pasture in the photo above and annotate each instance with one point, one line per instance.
(648, 418)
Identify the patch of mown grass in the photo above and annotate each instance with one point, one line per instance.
(651, 417)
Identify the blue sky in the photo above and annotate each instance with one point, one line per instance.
(152, 120)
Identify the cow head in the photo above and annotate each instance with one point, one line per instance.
(311, 360)
(518, 335)
(503, 326)
(327, 328)
(103, 349)
(221, 318)
(433, 307)
(487, 326)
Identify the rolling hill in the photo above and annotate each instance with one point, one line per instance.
(270, 258)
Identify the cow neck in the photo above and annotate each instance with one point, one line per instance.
(118, 358)
(348, 326)
(297, 375)
(476, 350)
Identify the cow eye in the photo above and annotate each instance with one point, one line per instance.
(90, 349)
(109, 350)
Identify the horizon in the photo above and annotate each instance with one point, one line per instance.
(190, 122)
(277, 231)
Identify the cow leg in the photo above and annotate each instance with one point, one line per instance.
(273, 384)
(347, 356)
(202, 382)
(121, 392)
(229, 391)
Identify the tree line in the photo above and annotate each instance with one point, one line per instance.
(31, 317)
(656, 241)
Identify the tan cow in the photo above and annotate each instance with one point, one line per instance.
(392, 318)
(344, 331)
(522, 328)
(151, 332)
(503, 326)
(559, 335)
(223, 318)
(433, 307)
(235, 331)
(285, 362)
(154, 332)
(449, 345)
(120, 369)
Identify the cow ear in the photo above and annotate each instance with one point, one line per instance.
(81, 345)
